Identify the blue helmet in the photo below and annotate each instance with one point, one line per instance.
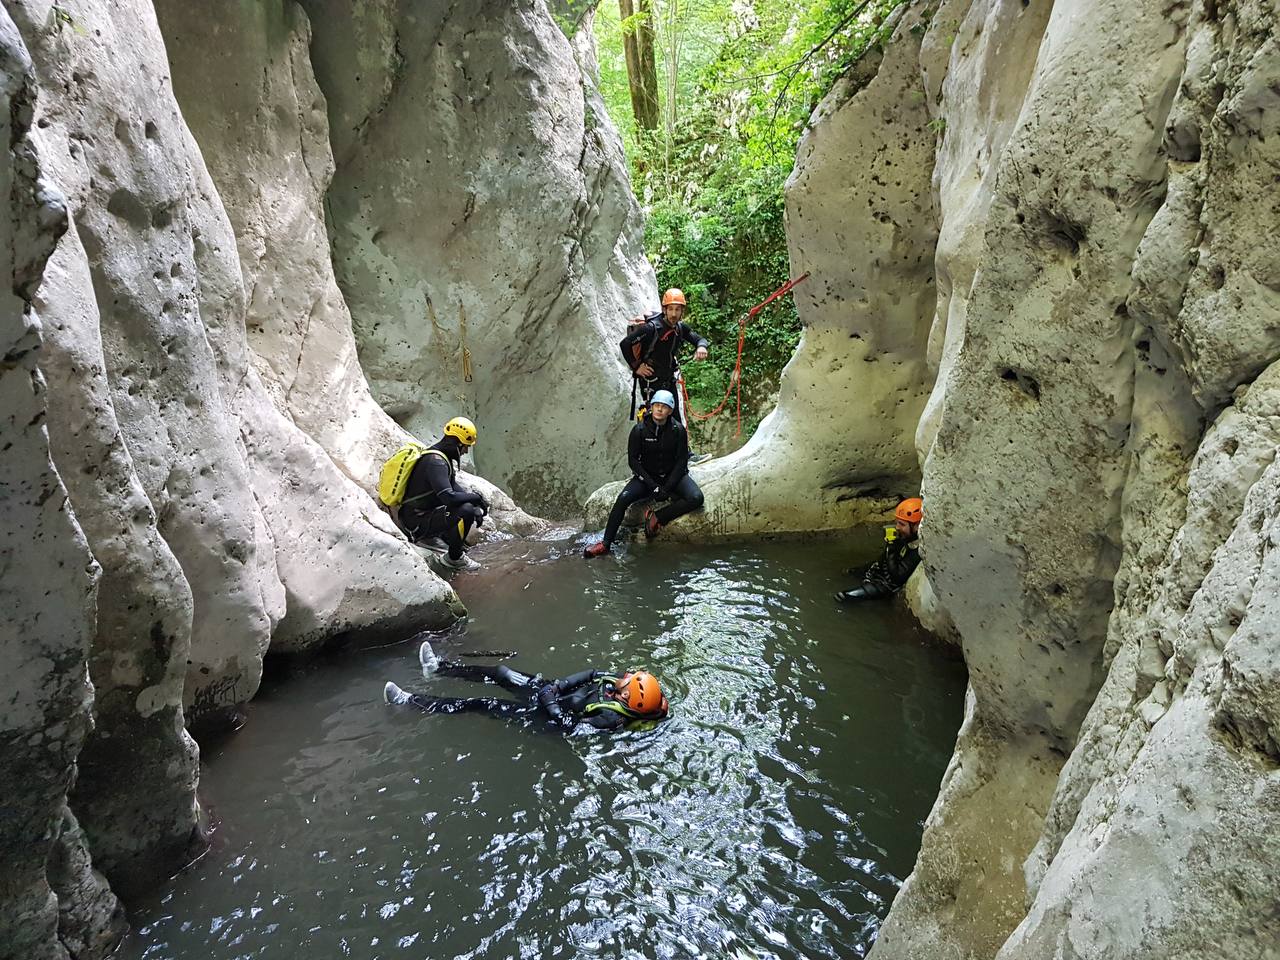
(663, 396)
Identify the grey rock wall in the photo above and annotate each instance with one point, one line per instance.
(48, 584)
(1098, 445)
(481, 207)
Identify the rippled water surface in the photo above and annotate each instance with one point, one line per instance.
(775, 815)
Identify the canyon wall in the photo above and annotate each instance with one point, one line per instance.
(195, 452)
(485, 234)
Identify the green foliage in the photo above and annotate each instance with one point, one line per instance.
(738, 80)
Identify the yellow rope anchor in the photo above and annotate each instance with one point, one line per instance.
(466, 352)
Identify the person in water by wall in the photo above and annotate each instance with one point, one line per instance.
(900, 558)
(434, 505)
(658, 454)
(600, 699)
(651, 349)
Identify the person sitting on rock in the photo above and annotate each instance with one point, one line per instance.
(900, 558)
(652, 345)
(658, 454)
(600, 699)
(434, 505)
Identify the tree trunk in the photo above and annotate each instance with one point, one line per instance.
(642, 70)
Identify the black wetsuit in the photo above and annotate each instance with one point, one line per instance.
(565, 702)
(659, 461)
(887, 574)
(656, 343)
(434, 506)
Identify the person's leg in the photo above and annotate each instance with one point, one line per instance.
(417, 524)
(504, 676)
(452, 526)
(635, 491)
(685, 498)
(494, 706)
(869, 590)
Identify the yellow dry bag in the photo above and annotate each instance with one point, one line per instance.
(395, 473)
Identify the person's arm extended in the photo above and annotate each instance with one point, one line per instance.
(681, 466)
(575, 680)
(634, 443)
(442, 484)
(697, 339)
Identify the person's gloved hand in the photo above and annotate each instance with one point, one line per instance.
(482, 503)
(565, 722)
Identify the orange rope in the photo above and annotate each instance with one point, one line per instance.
(735, 378)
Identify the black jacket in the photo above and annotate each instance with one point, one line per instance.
(894, 568)
(432, 480)
(659, 455)
(655, 343)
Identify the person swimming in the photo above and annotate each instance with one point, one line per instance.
(600, 699)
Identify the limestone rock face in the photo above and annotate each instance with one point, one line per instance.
(48, 583)
(1102, 295)
(483, 224)
(267, 150)
(222, 526)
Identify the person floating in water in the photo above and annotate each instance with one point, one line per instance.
(900, 558)
(596, 698)
(658, 454)
(430, 503)
(651, 346)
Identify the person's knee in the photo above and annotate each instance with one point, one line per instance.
(469, 512)
(696, 499)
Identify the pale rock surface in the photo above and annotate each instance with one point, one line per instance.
(224, 527)
(52, 905)
(1102, 293)
(267, 150)
(481, 208)
(138, 735)
(269, 533)
(837, 450)
(118, 150)
(1024, 478)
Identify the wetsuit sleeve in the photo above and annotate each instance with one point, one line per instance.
(689, 336)
(681, 466)
(634, 443)
(547, 698)
(442, 485)
(575, 680)
(638, 335)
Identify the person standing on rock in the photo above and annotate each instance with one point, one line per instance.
(652, 345)
(900, 558)
(434, 505)
(658, 454)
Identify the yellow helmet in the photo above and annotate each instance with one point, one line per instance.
(463, 429)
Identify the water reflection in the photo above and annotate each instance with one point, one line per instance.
(774, 815)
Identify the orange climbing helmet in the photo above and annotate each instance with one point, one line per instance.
(640, 693)
(911, 510)
(674, 295)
